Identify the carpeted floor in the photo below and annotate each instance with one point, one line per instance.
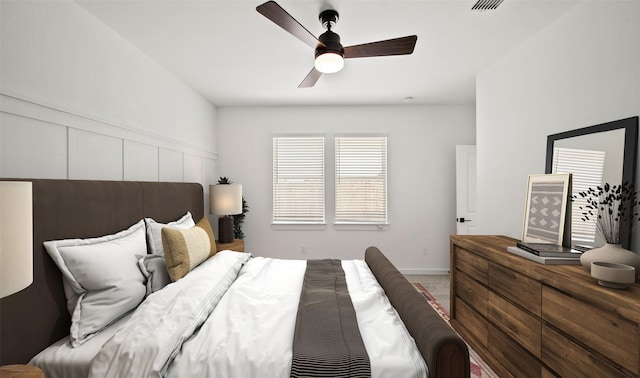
(479, 368)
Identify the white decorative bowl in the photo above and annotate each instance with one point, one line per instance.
(613, 275)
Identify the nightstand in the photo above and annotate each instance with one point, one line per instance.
(20, 371)
(236, 245)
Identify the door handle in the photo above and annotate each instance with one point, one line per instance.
(462, 220)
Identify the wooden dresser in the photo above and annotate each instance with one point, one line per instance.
(532, 320)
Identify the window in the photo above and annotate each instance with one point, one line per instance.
(361, 179)
(587, 168)
(298, 180)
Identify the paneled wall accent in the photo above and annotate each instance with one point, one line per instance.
(77, 101)
(146, 159)
(40, 141)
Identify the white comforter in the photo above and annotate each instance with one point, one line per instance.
(248, 331)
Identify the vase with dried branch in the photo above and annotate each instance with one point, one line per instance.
(614, 208)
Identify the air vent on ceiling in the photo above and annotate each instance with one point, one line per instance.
(483, 5)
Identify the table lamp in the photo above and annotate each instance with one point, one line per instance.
(16, 237)
(225, 200)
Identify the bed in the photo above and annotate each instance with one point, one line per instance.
(37, 317)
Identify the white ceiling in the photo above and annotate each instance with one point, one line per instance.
(234, 56)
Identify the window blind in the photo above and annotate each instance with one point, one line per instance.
(587, 167)
(298, 179)
(361, 179)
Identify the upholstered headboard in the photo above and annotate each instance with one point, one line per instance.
(34, 318)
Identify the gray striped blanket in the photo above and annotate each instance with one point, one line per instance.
(327, 341)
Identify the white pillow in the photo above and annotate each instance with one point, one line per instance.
(102, 281)
(154, 269)
(154, 229)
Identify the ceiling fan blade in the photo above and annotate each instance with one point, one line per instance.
(396, 46)
(311, 79)
(280, 17)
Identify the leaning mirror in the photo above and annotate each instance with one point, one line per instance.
(598, 154)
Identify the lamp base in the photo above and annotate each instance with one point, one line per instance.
(225, 229)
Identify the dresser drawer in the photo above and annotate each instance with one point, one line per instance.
(568, 359)
(613, 336)
(516, 323)
(473, 293)
(520, 289)
(470, 324)
(545, 373)
(514, 359)
(472, 264)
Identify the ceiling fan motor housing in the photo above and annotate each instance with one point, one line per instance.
(331, 43)
(331, 40)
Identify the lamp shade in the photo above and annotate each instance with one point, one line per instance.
(225, 199)
(16, 237)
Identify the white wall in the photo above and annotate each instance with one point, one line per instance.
(421, 165)
(79, 102)
(582, 70)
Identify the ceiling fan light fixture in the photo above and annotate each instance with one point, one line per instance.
(329, 52)
(329, 62)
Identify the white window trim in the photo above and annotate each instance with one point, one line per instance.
(361, 225)
(301, 225)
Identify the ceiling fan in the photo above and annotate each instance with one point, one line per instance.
(329, 53)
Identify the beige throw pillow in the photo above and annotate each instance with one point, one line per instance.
(186, 249)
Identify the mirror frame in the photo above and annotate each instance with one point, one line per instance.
(630, 125)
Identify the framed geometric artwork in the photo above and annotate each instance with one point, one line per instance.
(547, 204)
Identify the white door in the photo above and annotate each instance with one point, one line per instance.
(466, 205)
